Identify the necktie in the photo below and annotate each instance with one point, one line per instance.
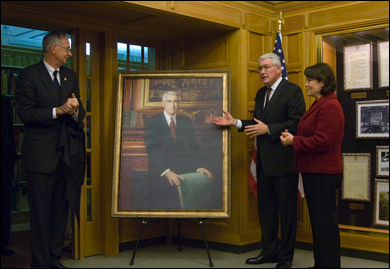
(269, 89)
(56, 83)
(173, 129)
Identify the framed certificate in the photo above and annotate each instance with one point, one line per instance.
(382, 161)
(381, 206)
(383, 64)
(358, 67)
(356, 180)
(372, 119)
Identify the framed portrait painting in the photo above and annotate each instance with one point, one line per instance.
(170, 160)
(372, 119)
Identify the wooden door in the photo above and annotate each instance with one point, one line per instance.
(87, 235)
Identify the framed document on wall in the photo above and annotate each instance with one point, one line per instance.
(357, 177)
(358, 67)
(383, 64)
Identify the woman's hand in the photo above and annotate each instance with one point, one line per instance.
(286, 138)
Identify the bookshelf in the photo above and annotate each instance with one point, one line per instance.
(9, 76)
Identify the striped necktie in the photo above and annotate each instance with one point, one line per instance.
(173, 129)
(269, 89)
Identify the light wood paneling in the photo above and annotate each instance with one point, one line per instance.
(349, 14)
(255, 49)
(293, 50)
(205, 50)
(258, 24)
(294, 24)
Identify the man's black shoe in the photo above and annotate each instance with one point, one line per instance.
(286, 264)
(261, 259)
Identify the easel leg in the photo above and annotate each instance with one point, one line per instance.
(139, 237)
(205, 242)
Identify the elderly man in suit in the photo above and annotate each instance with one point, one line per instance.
(53, 152)
(172, 150)
(279, 106)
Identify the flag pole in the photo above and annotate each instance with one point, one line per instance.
(280, 22)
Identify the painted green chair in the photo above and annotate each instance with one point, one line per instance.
(196, 191)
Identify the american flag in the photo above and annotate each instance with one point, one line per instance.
(252, 172)
(279, 51)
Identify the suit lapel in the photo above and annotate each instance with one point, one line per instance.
(64, 86)
(275, 96)
(260, 104)
(48, 82)
(164, 127)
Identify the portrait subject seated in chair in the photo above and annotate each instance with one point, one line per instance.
(172, 152)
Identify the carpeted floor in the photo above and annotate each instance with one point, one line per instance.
(168, 256)
(20, 243)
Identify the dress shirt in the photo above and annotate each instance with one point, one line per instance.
(271, 93)
(51, 73)
(168, 118)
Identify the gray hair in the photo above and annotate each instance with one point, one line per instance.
(164, 98)
(275, 59)
(51, 38)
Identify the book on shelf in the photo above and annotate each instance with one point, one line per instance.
(9, 78)
(132, 118)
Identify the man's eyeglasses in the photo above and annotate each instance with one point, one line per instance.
(266, 68)
(65, 48)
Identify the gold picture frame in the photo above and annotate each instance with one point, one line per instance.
(139, 133)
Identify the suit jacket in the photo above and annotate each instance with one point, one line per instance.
(163, 153)
(284, 111)
(46, 140)
(320, 133)
(181, 157)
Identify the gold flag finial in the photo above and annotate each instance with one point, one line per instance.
(280, 21)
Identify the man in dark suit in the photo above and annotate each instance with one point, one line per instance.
(53, 151)
(172, 150)
(8, 160)
(279, 105)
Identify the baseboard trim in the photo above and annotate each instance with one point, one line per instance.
(185, 242)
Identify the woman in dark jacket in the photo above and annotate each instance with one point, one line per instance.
(317, 148)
